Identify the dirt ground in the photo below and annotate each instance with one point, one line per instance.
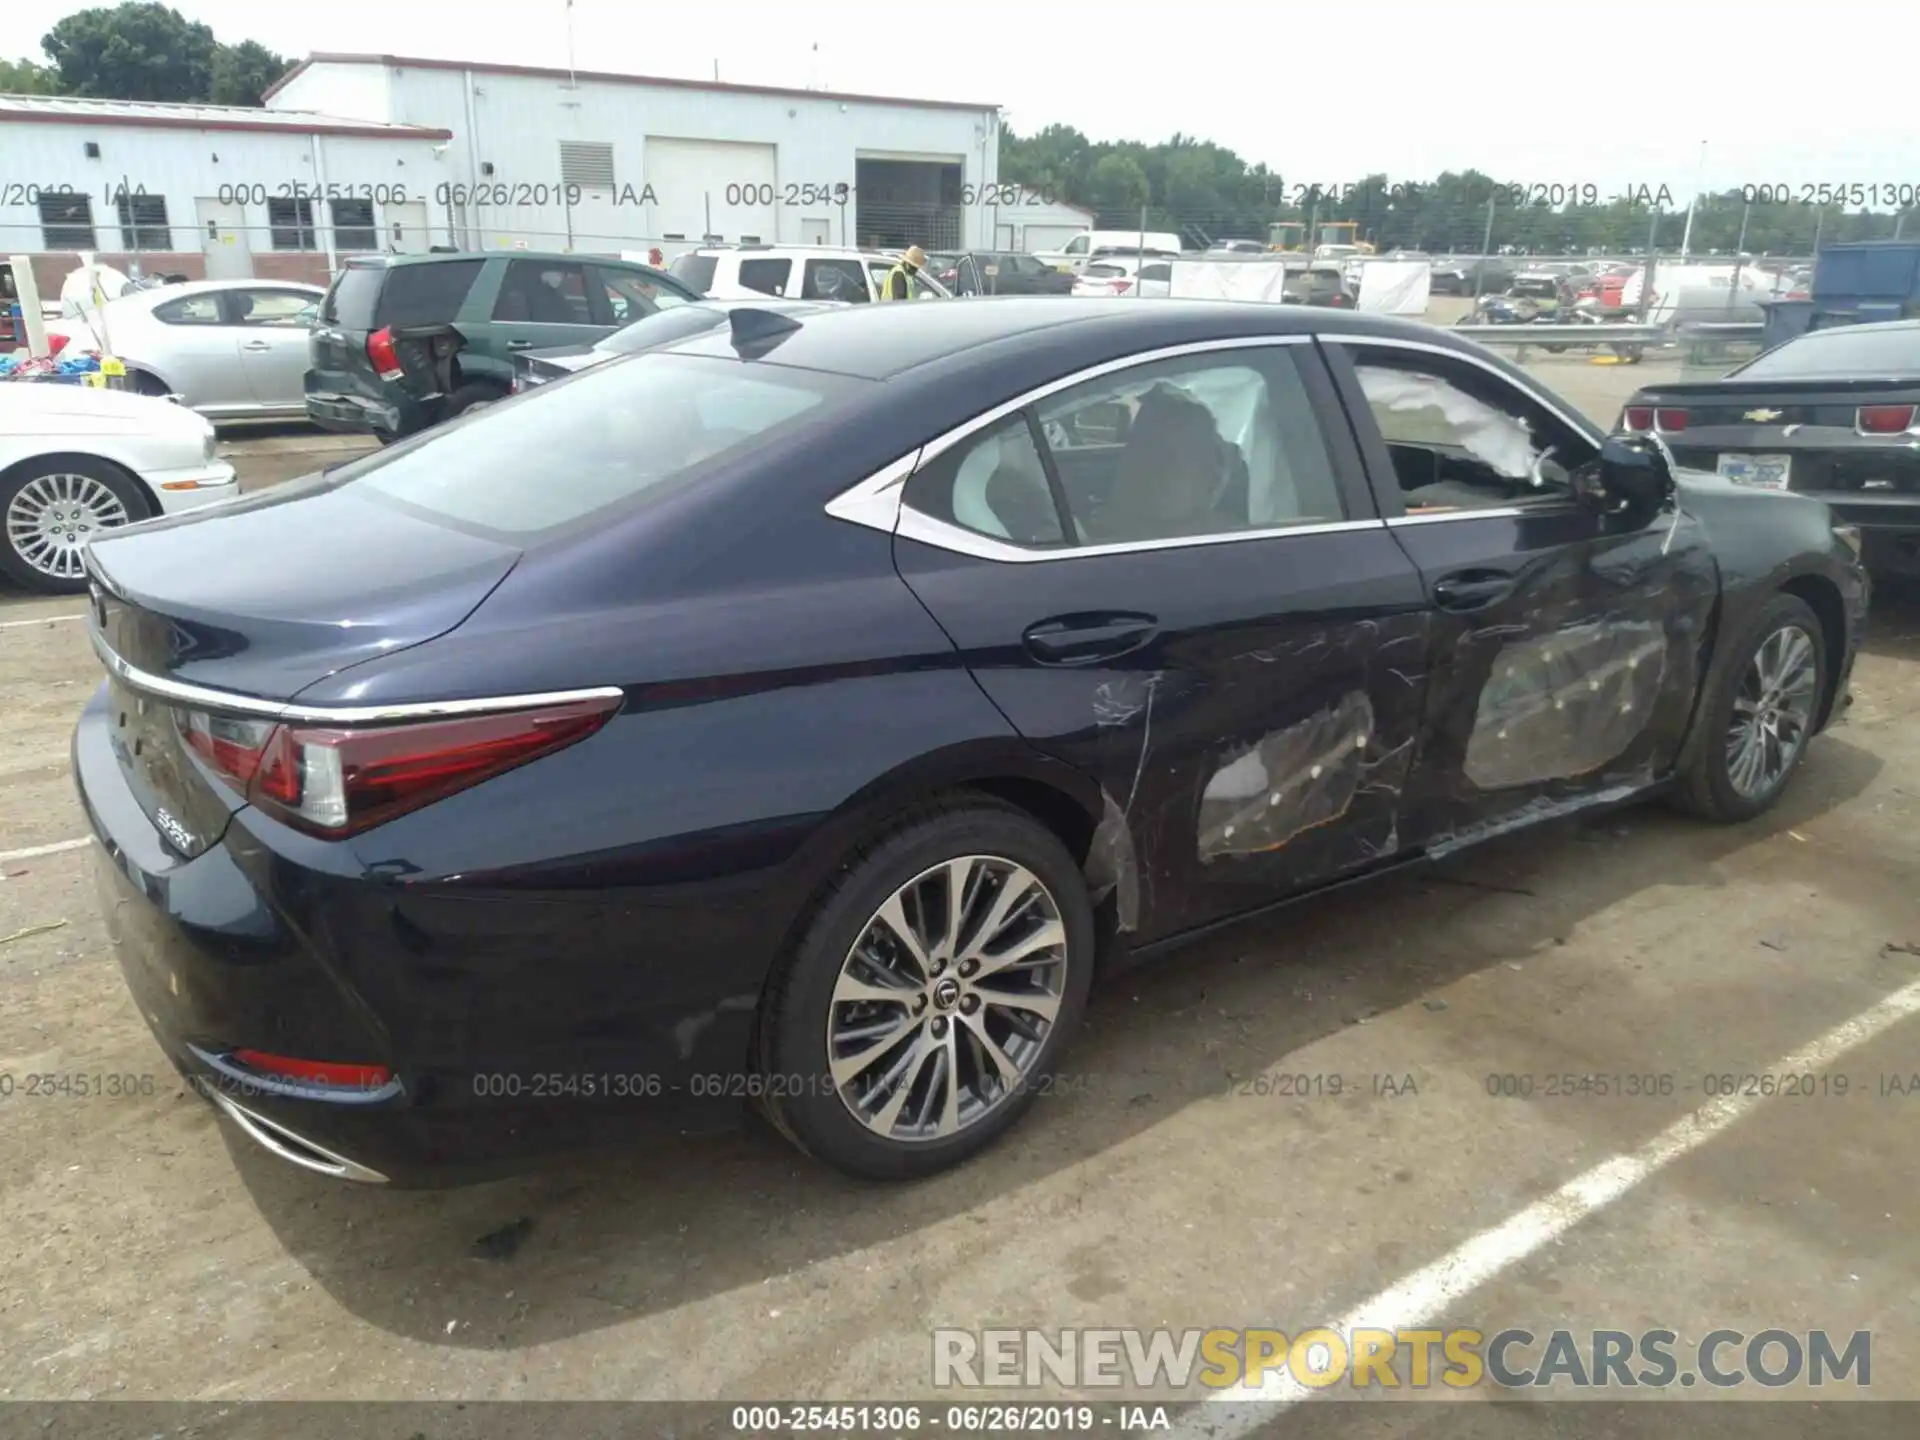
(151, 1253)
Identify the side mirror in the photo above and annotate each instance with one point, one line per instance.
(1635, 475)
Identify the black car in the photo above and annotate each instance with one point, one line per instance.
(1834, 413)
(874, 678)
(998, 272)
(536, 367)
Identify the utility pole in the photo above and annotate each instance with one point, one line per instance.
(1686, 236)
(1486, 249)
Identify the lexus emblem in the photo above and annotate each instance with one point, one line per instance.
(1761, 417)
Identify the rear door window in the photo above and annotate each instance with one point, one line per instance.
(544, 292)
(428, 293)
(650, 423)
(769, 277)
(835, 280)
(190, 310)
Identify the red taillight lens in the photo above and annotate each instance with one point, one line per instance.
(1639, 418)
(335, 782)
(315, 1072)
(1120, 287)
(381, 352)
(1884, 419)
(1670, 419)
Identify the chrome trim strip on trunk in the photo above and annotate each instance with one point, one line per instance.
(280, 1141)
(229, 702)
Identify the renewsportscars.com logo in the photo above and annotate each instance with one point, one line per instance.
(1366, 1359)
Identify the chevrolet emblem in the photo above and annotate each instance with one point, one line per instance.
(1761, 417)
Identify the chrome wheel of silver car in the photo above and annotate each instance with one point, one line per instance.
(944, 1002)
(1772, 711)
(52, 516)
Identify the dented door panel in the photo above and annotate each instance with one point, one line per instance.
(1577, 685)
(1257, 736)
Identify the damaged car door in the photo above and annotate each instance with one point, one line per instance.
(1169, 573)
(1567, 643)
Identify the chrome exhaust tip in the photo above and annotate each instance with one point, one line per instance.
(293, 1148)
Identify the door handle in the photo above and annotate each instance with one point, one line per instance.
(1472, 589)
(1082, 639)
(519, 344)
(256, 345)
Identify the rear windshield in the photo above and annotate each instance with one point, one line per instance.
(552, 457)
(662, 328)
(349, 304)
(1843, 350)
(694, 271)
(366, 297)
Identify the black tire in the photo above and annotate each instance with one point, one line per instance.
(13, 564)
(470, 397)
(801, 1097)
(1705, 785)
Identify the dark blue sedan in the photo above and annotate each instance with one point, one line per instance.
(804, 712)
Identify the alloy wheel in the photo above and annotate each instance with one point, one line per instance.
(945, 1002)
(52, 516)
(1772, 712)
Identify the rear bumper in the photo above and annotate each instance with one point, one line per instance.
(359, 415)
(252, 945)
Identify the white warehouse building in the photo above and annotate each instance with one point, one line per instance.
(209, 191)
(580, 160)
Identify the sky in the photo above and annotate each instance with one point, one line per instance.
(1324, 94)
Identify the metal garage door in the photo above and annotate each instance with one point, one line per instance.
(713, 188)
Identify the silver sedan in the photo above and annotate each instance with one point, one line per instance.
(235, 350)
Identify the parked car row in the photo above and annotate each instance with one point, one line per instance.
(808, 700)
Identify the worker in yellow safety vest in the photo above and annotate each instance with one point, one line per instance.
(899, 282)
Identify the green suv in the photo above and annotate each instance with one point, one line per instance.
(406, 341)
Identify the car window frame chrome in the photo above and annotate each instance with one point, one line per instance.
(878, 502)
(229, 702)
(1547, 504)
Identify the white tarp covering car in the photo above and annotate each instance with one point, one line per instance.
(1239, 279)
(1395, 287)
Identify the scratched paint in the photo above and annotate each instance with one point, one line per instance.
(1565, 704)
(1289, 782)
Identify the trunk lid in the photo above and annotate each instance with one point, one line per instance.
(285, 589)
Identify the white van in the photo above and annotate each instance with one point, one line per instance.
(1074, 255)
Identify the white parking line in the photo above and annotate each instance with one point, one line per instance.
(1424, 1296)
(34, 851)
(42, 620)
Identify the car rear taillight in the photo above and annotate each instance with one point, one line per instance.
(315, 1072)
(1120, 287)
(338, 781)
(1638, 418)
(1670, 419)
(1883, 419)
(380, 351)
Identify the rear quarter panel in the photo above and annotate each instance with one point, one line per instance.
(643, 883)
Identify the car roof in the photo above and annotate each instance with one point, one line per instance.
(878, 342)
(437, 257)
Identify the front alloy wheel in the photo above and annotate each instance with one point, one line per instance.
(1772, 712)
(49, 516)
(946, 1000)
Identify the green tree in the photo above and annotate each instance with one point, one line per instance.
(1116, 182)
(23, 77)
(139, 50)
(242, 73)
